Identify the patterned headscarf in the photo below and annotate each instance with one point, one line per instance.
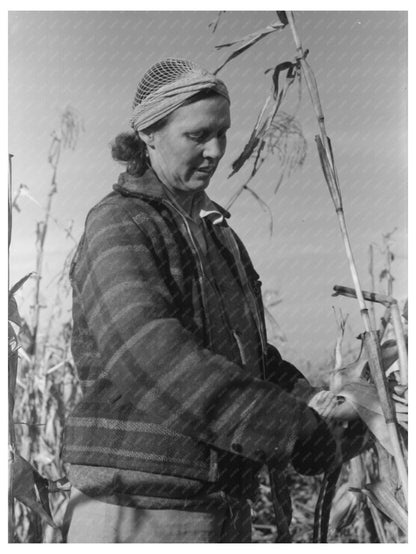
(166, 86)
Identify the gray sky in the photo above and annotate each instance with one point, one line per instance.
(93, 61)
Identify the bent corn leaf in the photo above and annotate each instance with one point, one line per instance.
(214, 24)
(283, 17)
(30, 488)
(247, 41)
(14, 316)
(353, 372)
(246, 153)
(20, 283)
(60, 485)
(265, 207)
(290, 68)
(383, 499)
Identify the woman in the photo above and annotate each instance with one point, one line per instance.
(184, 401)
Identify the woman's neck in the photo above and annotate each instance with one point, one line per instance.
(186, 199)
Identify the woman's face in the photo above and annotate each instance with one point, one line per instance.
(185, 152)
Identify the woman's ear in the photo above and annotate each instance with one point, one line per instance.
(147, 137)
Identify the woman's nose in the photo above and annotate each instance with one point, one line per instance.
(214, 148)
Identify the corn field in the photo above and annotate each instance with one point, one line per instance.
(369, 504)
(43, 385)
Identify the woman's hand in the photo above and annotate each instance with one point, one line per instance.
(326, 404)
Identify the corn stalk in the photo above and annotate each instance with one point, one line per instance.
(12, 371)
(331, 177)
(44, 392)
(386, 273)
(41, 233)
(70, 126)
(373, 283)
(394, 313)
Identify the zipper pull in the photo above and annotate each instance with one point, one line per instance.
(236, 335)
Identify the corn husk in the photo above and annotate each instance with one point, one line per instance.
(344, 507)
(380, 494)
(361, 399)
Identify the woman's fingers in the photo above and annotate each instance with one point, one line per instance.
(324, 402)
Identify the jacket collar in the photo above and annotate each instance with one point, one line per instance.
(149, 186)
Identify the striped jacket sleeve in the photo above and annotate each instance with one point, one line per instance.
(156, 364)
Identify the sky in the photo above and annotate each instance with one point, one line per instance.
(92, 61)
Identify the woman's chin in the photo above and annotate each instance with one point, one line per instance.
(200, 179)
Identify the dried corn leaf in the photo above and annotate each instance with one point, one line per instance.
(72, 125)
(282, 136)
(341, 323)
(10, 205)
(30, 488)
(405, 313)
(265, 207)
(26, 339)
(275, 131)
(365, 394)
(271, 298)
(14, 315)
(350, 373)
(275, 331)
(329, 173)
(247, 41)
(283, 17)
(291, 72)
(389, 353)
(214, 24)
(60, 485)
(353, 372)
(248, 150)
(383, 499)
(12, 374)
(19, 284)
(378, 523)
(12, 339)
(20, 192)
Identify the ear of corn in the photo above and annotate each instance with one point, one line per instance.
(344, 507)
(379, 493)
(362, 399)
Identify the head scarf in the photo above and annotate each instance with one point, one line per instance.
(166, 86)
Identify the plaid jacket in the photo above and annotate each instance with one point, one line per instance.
(155, 397)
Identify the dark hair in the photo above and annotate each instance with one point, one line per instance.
(128, 148)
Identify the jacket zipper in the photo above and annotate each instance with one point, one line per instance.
(237, 338)
(246, 285)
(201, 272)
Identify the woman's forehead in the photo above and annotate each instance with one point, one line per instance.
(210, 112)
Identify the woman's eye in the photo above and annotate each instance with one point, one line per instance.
(201, 136)
(196, 136)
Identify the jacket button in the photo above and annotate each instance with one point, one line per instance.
(261, 454)
(237, 447)
(257, 286)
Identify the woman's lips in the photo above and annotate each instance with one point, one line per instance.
(205, 170)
